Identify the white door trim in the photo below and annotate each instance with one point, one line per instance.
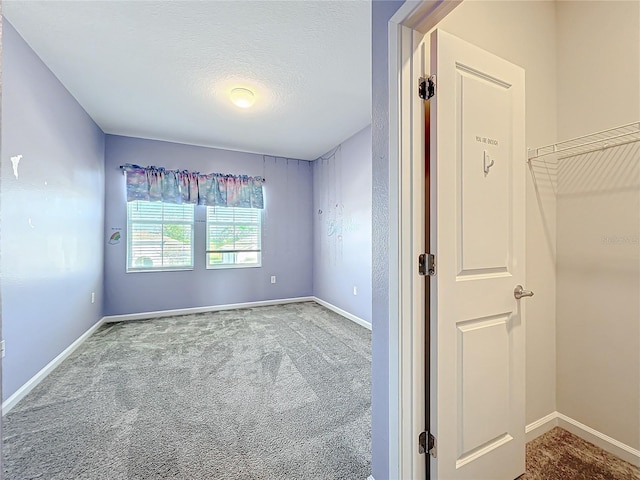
(406, 227)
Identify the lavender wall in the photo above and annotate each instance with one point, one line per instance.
(381, 12)
(52, 215)
(286, 238)
(1, 455)
(342, 225)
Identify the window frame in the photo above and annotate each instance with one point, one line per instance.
(210, 266)
(161, 223)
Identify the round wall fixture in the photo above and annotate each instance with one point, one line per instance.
(242, 97)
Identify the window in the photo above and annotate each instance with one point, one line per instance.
(233, 237)
(159, 236)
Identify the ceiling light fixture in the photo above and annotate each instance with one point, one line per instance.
(242, 97)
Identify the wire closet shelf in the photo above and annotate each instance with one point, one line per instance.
(594, 142)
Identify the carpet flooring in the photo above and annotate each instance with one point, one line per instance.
(278, 392)
(560, 455)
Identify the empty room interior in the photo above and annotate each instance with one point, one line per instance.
(209, 343)
(198, 207)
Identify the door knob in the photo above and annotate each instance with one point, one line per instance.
(520, 292)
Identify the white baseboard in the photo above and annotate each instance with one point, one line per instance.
(10, 402)
(541, 426)
(370, 477)
(603, 441)
(344, 313)
(212, 308)
(611, 445)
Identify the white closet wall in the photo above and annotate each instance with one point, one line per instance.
(598, 220)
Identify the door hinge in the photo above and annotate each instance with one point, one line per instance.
(427, 87)
(427, 444)
(427, 264)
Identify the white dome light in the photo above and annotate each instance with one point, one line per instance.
(242, 97)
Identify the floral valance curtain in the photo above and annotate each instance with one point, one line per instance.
(157, 184)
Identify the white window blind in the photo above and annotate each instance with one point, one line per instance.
(233, 237)
(159, 236)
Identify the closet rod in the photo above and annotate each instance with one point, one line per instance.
(611, 137)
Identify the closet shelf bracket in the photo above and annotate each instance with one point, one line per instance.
(593, 142)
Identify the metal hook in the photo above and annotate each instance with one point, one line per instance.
(487, 166)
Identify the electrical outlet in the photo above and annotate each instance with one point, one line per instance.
(93, 297)
(273, 279)
(2, 348)
(355, 290)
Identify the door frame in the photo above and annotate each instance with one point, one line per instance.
(407, 349)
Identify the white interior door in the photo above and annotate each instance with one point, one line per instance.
(477, 233)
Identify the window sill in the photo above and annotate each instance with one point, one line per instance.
(158, 270)
(226, 267)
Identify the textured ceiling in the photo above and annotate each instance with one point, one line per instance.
(164, 69)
